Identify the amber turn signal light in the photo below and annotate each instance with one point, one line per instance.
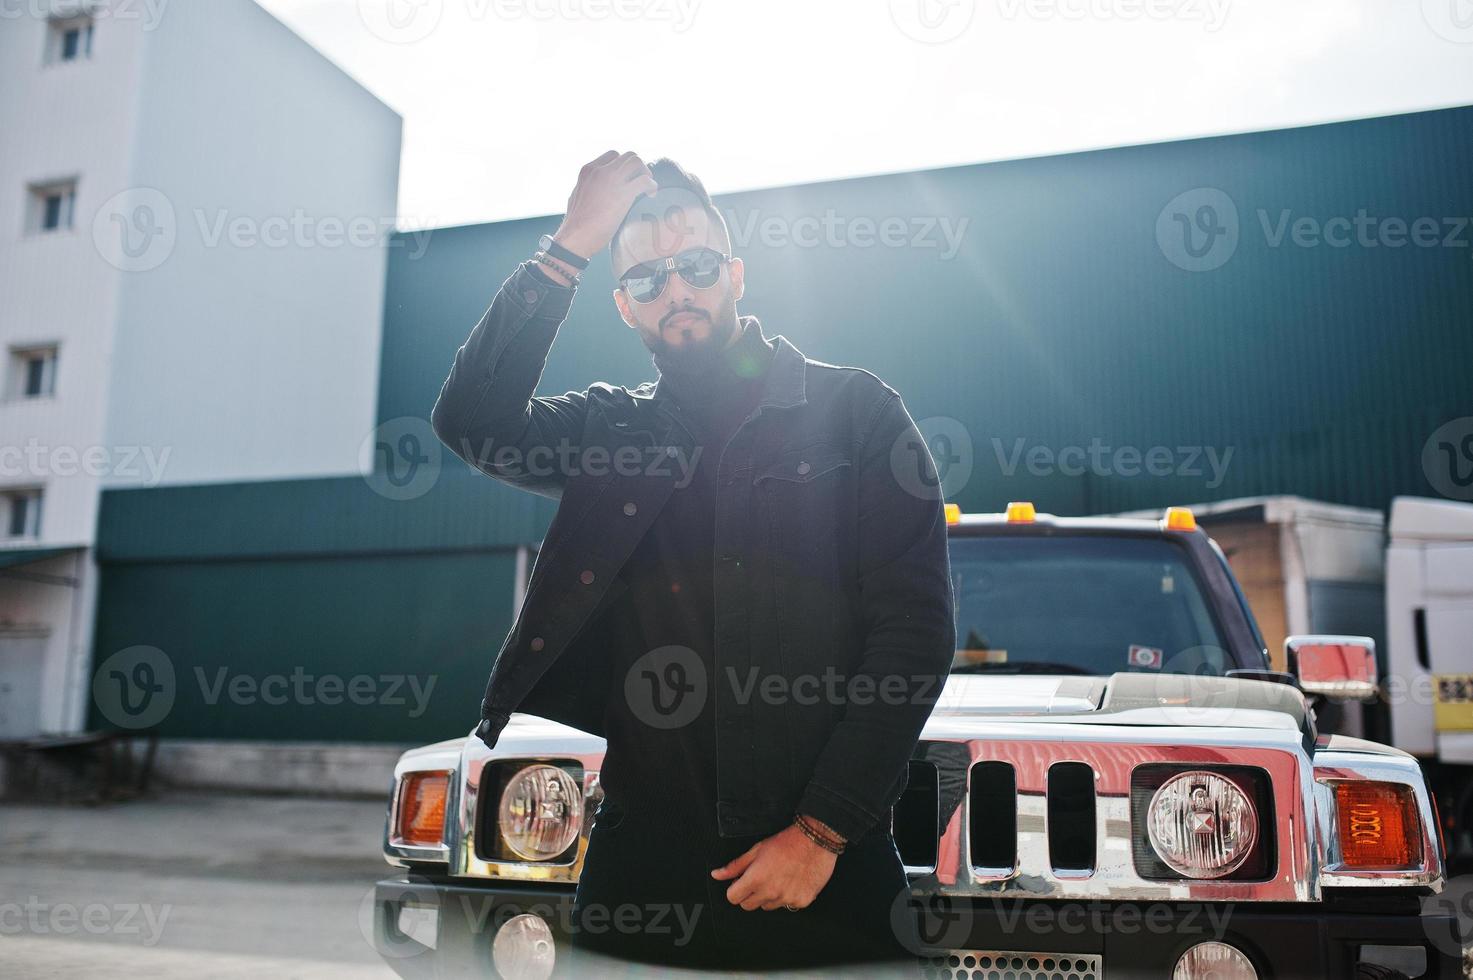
(1379, 829)
(422, 798)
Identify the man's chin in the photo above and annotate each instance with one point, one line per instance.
(687, 352)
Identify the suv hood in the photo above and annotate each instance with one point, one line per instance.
(1121, 699)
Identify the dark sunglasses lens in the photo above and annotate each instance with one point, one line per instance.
(645, 288)
(701, 269)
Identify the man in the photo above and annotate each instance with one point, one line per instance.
(745, 591)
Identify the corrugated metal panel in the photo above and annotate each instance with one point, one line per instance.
(462, 510)
(391, 649)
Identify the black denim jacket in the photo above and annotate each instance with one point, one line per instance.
(834, 612)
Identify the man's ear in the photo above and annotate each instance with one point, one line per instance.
(738, 273)
(622, 302)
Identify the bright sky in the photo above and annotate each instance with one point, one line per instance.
(503, 100)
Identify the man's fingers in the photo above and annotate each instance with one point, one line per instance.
(734, 868)
(597, 161)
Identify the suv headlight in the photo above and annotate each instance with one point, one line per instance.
(541, 812)
(1201, 824)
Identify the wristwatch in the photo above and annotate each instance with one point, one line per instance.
(558, 252)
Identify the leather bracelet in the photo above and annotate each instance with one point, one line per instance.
(819, 838)
(542, 258)
(565, 255)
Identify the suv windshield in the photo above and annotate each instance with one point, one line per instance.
(1082, 604)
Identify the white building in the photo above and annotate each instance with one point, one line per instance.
(194, 207)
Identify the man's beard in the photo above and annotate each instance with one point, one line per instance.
(696, 356)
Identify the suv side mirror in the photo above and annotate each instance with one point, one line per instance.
(1338, 667)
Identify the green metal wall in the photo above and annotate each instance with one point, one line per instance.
(421, 629)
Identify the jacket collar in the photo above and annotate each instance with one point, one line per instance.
(786, 381)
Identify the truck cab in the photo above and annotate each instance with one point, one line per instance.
(1114, 783)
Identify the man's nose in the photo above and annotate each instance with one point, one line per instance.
(679, 293)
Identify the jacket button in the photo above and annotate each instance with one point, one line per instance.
(537, 644)
(586, 577)
(630, 509)
(530, 296)
(803, 467)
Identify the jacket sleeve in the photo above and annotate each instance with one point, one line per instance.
(486, 413)
(909, 628)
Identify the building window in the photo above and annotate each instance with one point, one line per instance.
(69, 39)
(32, 372)
(52, 206)
(23, 517)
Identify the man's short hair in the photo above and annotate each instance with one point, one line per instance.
(678, 189)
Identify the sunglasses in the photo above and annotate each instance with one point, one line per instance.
(701, 267)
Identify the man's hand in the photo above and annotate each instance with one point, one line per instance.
(785, 869)
(606, 189)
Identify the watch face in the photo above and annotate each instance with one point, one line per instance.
(545, 242)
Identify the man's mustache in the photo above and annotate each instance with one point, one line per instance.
(665, 320)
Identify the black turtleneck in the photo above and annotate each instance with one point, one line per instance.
(670, 599)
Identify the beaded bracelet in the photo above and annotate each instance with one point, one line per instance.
(558, 266)
(822, 840)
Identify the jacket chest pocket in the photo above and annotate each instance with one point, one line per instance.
(807, 495)
(801, 467)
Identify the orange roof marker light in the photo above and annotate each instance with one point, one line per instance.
(1021, 512)
(953, 513)
(1180, 519)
